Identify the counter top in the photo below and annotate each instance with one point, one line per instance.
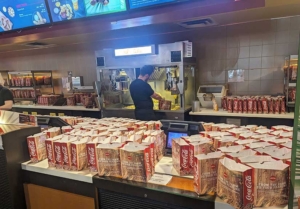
(42, 167)
(74, 108)
(210, 112)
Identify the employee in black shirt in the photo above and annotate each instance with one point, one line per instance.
(6, 98)
(142, 94)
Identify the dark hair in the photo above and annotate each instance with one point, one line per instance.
(147, 69)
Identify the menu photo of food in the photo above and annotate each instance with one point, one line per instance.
(66, 9)
(20, 14)
(98, 7)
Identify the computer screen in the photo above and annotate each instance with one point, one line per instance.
(173, 135)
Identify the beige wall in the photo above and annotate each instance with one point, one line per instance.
(259, 48)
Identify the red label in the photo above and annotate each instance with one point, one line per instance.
(248, 188)
(32, 149)
(106, 154)
(225, 175)
(57, 154)
(129, 157)
(147, 163)
(273, 178)
(50, 153)
(184, 159)
(92, 157)
(213, 166)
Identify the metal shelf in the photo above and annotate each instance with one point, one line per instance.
(21, 87)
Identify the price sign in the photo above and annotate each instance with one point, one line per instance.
(33, 113)
(52, 114)
(61, 114)
(25, 113)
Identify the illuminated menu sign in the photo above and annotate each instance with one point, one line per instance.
(135, 51)
(99, 7)
(66, 9)
(134, 4)
(17, 14)
(73, 9)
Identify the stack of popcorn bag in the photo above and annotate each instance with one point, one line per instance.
(242, 165)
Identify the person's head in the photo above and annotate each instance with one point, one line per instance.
(146, 72)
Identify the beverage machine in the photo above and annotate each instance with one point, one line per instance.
(173, 78)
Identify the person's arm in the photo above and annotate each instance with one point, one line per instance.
(156, 96)
(7, 106)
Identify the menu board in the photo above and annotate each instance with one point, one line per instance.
(99, 7)
(66, 9)
(134, 4)
(17, 14)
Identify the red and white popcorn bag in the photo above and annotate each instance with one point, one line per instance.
(286, 135)
(66, 152)
(236, 132)
(109, 163)
(232, 149)
(263, 131)
(264, 150)
(180, 156)
(92, 157)
(79, 154)
(50, 149)
(66, 129)
(279, 127)
(235, 184)
(245, 142)
(224, 141)
(246, 135)
(207, 126)
(243, 153)
(288, 129)
(135, 163)
(260, 137)
(200, 147)
(256, 145)
(250, 127)
(276, 133)
(194, 138)
(255, 159)
(37, 147)
(287, 145)
(52, 132)
(206, 172)
(271, 186)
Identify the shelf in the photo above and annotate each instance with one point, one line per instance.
(29, 99)
(21, 87)
(43, 86)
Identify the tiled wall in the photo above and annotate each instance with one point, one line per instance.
(259, 48)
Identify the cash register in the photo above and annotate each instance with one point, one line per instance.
(176, 129)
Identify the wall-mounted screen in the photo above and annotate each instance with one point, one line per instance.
(17, 14)
(100, 7)
(134, 4)
(66, 9)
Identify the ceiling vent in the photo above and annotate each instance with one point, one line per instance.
(39, 45)
(203, 22)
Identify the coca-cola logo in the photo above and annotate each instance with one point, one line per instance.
(147, 162)
(196, 174)
(65, 154)
(74, 156)
(213, 166)
(58, 154)
(49, 152)
(248, 184)
(91, 152)
(191, 156)
(185, 157)
(273, 178)
(129, 157)
(32, 149)
(107, 154)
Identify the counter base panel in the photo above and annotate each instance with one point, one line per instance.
(159, 115)
(6, 200)
(38, 197)
(245, 121)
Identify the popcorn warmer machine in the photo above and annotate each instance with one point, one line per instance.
(173, 78)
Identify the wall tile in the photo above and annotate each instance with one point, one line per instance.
(246, 75)
(266, 85)
(269, 38)
(254, 86)
(232, 88)
(232, 53)
(242, 86)
(268, 62)
(255, 63)
(294, 36)
(233, 41)
(279, 61)
(244, 40)
(295, 23)
(268, 50)
(293, 48)
(244, 52)
(231, 64)
(267, 74)
(256, 39)
(243, 63)
(283, 24)
(278, 73)
(254, 75)
(282, 37)
(282, 49)
(255, 51)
